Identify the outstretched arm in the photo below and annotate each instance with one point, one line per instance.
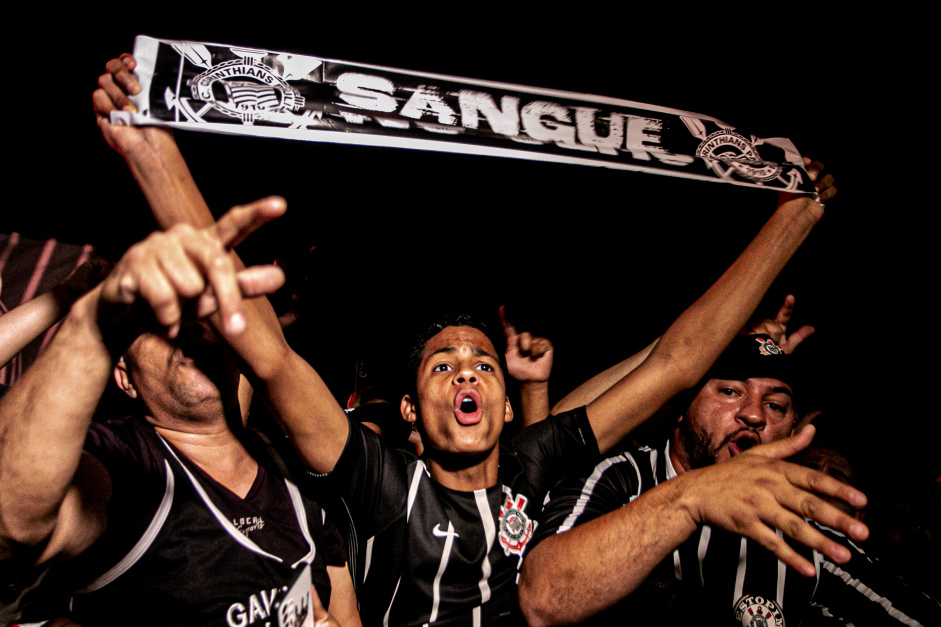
(529, 361)
(694, 341)
(53, 497)
(151, 152)
(295, 392)
(601, 382)
(25, 323)
(576, 574)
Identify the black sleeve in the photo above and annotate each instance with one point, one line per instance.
(863, 592)
(371, 477)
(334, 548)
(611, 484)
(555, 446)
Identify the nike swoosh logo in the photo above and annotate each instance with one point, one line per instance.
(443, 534)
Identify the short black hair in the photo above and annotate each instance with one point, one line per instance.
(462, 319)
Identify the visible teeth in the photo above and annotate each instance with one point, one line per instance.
(468, 406)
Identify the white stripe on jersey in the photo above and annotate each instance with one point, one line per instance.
(436, 586)
(385, 619)
(701, 552)
(871, 595)
(368, 557)
(475, 616)
(740, 572)
(653, 468)
(589, 487)
(782, 573)
(302, 521)
(145, 541)
(413, 488)
(490, 533)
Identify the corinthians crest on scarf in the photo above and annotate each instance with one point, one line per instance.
(246, 91)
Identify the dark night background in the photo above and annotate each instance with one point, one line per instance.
(599, 260)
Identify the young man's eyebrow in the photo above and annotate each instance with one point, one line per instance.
(482, 353)
(452, 349)
(446, 349)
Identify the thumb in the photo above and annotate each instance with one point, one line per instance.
(782, 449)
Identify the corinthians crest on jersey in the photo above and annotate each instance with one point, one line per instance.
(753, 611)
(516, 527)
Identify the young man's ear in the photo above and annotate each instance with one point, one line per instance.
(508, 414)
(123, 379)
(408, 409)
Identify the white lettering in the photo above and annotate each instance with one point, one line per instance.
(269, 600)
(366, 92)
(504, 120)
(585, 123)
(555, 130)
(236, 615)
(426, 99)
(637, 135)
(254, 607)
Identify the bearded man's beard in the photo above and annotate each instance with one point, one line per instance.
(700, 453)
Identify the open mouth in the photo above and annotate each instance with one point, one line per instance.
(467, 407)
(743, 441)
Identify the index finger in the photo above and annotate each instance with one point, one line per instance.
(508, 329)
(784, 313)
(239, 222)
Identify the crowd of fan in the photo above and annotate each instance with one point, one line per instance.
(408, 508)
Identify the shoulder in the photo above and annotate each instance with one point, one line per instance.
(126, 445)
(554, 445)
(597, 490)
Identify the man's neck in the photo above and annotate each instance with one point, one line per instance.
(462, 475)
(218, 452)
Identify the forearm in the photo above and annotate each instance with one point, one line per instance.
(43, 421)
(601, 382)
(161, 172)
(306, 410)
(22, 325)
(701, 333)
(343, 606)
(534, 397)
(576, 574)
(697, 338)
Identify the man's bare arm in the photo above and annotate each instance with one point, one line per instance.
(43, 472)
(576, 574)
(694, 341)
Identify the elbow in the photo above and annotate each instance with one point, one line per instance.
(536, 610)
(19, 537)
(541, 594)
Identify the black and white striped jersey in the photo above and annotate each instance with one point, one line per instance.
(719, 578)
(434, 555)
(181, 549)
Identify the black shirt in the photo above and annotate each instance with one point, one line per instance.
(432, 554)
